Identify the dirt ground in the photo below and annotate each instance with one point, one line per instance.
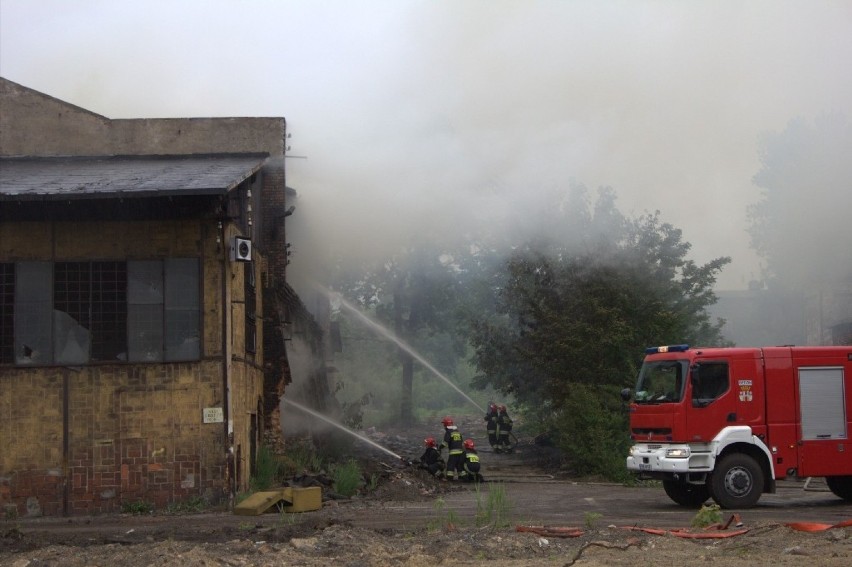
(526, 514)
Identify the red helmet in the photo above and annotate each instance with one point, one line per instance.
(447, 421)
(492, 407)
(502, 407)
(429, 441)
(468, 444)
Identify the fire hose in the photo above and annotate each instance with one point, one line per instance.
(716, 531)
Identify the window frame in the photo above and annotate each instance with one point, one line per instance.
(66, 310)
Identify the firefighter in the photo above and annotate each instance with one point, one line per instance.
(471, 463)
(504, 428)
(491, 425)
(431, 459)
(453, 441)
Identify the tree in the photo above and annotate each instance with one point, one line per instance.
(572, 320)
(413, 293)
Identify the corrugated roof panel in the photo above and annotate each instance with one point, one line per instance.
(124, 176)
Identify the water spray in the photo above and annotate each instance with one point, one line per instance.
(387, 334)
(341, 427)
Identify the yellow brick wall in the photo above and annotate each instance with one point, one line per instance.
(91, 438)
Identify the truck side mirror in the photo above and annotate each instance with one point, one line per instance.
(625, 394)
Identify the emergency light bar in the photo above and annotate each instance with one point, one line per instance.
(669, 348)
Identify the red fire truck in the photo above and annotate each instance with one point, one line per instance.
(726, 423)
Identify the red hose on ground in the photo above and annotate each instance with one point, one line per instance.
(716, 531)
(816, 527)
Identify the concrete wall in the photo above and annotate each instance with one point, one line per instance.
(35, 124)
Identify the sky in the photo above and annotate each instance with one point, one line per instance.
(420, 115)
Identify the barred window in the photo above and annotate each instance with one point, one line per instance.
(89, 312)
(72, 313)
(7, 312)
(33, 313)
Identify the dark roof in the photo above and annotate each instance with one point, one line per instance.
(24, 179)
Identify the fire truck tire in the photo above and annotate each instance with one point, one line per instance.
(737, 481)
(689, 495)
(841, 486)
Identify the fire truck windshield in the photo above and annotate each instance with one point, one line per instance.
(661, 382)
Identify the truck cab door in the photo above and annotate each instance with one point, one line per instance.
(712, 404)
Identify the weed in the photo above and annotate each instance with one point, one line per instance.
(590, 519)
(285, 518)
(707, 516)
(192, 506)
(346, 478)
(268, 469)
(495, 511)
(300, 458)
(374, 482)
(444, 519)
(137, 508)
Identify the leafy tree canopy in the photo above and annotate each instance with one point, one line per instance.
(572, 318)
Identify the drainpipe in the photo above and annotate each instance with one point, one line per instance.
(226, 373)
(66, 396)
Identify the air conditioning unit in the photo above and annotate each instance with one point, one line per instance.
(241, 250)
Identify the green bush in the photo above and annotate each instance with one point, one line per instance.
(591, 428)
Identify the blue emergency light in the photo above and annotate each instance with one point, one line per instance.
(669, 348)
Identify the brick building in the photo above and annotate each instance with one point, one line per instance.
(135, 256)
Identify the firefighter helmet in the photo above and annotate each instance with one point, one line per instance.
(429, 441)
(447, 421)
(492, 407)
(502, 407)
(468, 444)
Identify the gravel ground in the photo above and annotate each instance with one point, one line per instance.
(411, 519)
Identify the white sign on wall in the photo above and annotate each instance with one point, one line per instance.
(213, 415)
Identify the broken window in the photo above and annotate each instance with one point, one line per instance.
(33, 313)
(73, 313)
(182, 308)
(145, 311)
(89, 311)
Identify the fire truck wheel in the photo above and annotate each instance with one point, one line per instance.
(737, 481)
(689, 495)
(841, 486)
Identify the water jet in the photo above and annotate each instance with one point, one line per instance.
(380, 329)
(341, 427)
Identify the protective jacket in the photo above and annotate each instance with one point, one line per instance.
(453, 440)
(431, 461)
(471, 469)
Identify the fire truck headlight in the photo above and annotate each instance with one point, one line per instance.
(678, 453)
(630, 451)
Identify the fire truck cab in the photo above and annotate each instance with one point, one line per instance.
(726, 423)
